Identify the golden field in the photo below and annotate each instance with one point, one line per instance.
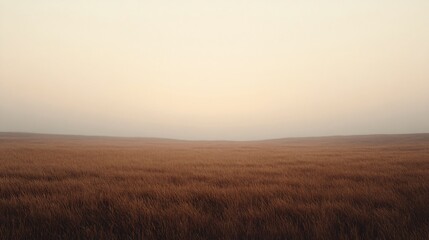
(71, 187)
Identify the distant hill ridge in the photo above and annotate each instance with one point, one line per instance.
(371, 138)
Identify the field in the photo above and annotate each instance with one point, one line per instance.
(71, 187)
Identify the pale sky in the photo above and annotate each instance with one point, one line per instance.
(218, 69)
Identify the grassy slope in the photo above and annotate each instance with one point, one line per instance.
(71, 187)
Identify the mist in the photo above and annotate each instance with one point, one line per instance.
(233, 70)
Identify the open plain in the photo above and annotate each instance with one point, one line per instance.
(73, 187)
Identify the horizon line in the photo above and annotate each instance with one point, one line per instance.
(205, 140)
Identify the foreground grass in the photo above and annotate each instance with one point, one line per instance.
(369, 187)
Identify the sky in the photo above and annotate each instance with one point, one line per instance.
(224, 69)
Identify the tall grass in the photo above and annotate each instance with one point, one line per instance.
(368, 187)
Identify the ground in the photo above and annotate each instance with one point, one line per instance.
(73, 187)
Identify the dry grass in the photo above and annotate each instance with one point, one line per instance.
(369, 187)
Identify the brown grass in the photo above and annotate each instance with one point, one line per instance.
(368, 187)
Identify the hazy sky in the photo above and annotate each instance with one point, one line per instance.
(214, 69)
